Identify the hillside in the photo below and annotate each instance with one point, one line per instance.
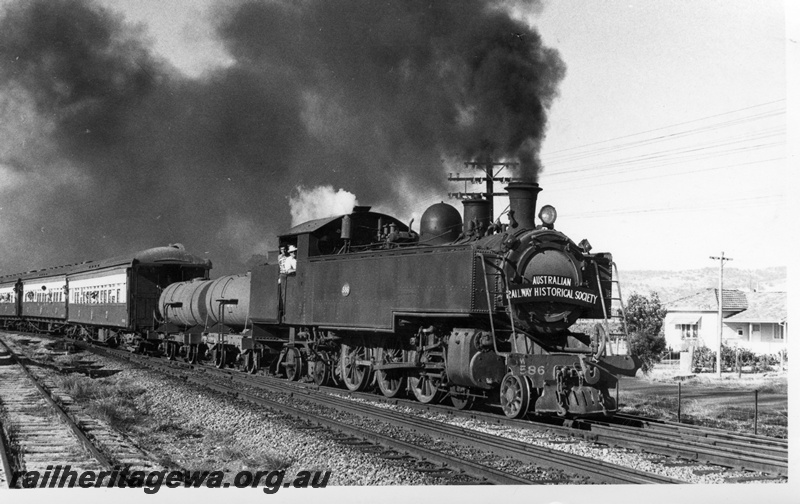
(672, 285)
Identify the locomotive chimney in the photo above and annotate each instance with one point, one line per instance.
(478, 210)
(522, 196)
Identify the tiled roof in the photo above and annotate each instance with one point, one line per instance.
(706, 300)
(732, 299)
(746, 306)
(762, 307)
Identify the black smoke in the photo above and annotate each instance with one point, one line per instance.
(110, 149)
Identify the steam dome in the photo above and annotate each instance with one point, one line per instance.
(441, 223)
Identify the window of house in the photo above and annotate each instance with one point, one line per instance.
(740, 331)
(778, 334)
(688, 331)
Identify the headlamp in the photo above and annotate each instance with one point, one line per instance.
(548, 215)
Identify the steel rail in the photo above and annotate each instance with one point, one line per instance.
(476, 471)
(691, 448)
(479, 472)
(5, 462)
(679, 440)
(669, 441)
(63, 415)
(599, 471)
(710, 433)
(704, 445)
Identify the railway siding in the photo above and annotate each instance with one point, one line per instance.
(36, 434)
(44, 429)
(583, 469)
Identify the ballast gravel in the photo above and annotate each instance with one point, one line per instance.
(192, 428)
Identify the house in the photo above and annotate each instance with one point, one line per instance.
(752, 320)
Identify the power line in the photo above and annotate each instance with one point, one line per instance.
(739, 203)
(552, 159)
(669, 126)
(686, 154)
(660, 175)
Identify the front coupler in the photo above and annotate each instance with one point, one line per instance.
(572, 384)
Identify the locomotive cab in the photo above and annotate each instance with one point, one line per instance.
(357, 231)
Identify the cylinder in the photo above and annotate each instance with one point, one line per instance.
(346, 227)
(522, 199)
(183, 303)
(229, 288)
(197, 303)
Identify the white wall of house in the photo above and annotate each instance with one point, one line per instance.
(707, 329)
(765, 338)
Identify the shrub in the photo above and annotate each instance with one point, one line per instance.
(706, 358)
(645, 317)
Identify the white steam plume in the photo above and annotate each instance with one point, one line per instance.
(322, 201)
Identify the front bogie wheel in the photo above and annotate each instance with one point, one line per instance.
(515, 395)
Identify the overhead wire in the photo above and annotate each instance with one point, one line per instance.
(671, 126)
(622, 156)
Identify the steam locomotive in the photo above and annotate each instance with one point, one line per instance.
(469, 310)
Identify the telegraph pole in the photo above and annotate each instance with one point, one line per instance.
(492, 172)
(722, 260)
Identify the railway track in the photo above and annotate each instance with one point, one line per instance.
(680, 444)
(578, 469)
(694, 443)
(431, 462)
(684, 443)
(41, 431)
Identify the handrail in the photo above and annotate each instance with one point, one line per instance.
(489, 305)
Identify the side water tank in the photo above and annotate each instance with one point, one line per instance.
(441, 223)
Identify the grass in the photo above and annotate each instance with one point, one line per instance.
(721, 416)
(228, 451)
(737, 415)
(68, 360)
(215, 450)
(118, 403)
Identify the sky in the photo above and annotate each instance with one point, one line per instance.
(662, 137)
